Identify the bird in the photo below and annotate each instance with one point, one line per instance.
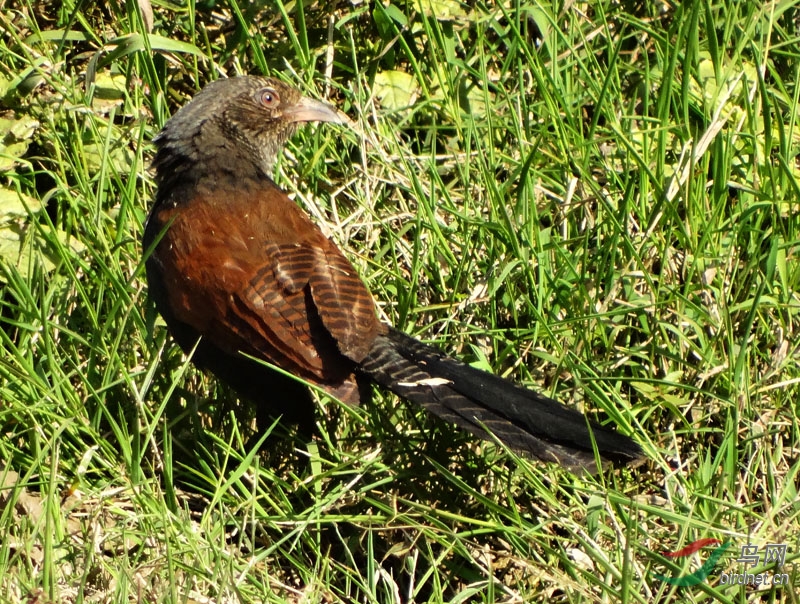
(243, 277)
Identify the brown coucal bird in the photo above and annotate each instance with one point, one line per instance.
(238, 270)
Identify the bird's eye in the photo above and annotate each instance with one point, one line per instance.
(268, 97)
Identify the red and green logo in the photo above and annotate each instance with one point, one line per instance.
(701, 573)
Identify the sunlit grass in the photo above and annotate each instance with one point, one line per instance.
(594, 201)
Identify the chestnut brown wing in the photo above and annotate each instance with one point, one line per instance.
(272, 285)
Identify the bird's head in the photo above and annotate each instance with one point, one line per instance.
(236, 123)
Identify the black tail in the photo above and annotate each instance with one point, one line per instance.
(478, 401)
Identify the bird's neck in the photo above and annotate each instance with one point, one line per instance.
(179, 175)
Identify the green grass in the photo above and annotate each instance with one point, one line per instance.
(612, 217)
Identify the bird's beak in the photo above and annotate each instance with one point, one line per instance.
(309, 110)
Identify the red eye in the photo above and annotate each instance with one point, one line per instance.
(269, 98)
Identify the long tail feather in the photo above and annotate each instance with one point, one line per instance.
(477, 401)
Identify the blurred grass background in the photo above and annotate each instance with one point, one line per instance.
(599, 200)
